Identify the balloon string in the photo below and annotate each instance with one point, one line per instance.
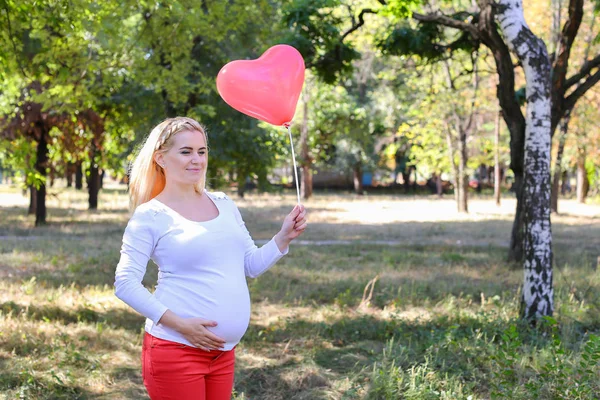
(294, 159)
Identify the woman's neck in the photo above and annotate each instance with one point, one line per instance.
(179, 193)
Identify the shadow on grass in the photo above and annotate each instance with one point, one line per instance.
(28, 386)
(287, 287)
(114, 318)
(35, 387)
(62, 223)
(283, 381)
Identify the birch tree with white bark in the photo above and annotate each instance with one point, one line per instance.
(531, 51)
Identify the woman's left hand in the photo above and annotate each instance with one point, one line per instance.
(293, 226)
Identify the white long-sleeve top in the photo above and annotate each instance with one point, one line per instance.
(202, 268)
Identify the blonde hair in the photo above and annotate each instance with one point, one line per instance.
(147, 178)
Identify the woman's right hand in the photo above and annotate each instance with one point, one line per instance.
(194, 330)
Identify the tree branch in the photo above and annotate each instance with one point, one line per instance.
(580, 91)
(561, 112)
(583, 72)
(361, 22)
(12, 39)
(511, 110)
(567, 38)
(449, 22)
(474, 59)
(563, 52)
(449, 79)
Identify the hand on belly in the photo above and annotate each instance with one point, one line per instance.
(197, 332)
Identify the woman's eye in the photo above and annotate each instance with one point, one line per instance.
(185, 152)
(202, 152)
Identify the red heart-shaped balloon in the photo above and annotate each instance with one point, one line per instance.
(266, 88)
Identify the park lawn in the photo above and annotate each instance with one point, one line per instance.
(441, 321)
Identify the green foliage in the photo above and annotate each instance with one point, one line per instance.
(428, 40)
(18, 155)
(428, 148)
(346, 120)
(181, 78)
(507, 359)
(482, 146)
(250, 149)
(75, 50)
(558, 376)
(419, 382)
(134, 64)
(406, 40)
(399, 9)
(67, 58)
(592, 172)
(315, 29)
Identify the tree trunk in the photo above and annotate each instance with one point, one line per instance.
(32, 200)
(358, 176)
(439, 188)
(564, 182)
(241, 183)
(452, 163)
(511, 112)
(557, 163)
(101, 182)
(169, 106)
(497, 160)
(583, 183)
(306, 185)
(78, 176)
(538, 294)
(40, 166)
(94, 177)
(515, 251)
(69, 174)
(406, 178)
(306, 182)
(93, 187)
(463, 179)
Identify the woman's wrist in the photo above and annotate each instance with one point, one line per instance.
(281, 241)
(171, 320)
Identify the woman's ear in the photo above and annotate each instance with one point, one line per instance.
(159, 159)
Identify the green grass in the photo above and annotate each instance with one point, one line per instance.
(441, 322)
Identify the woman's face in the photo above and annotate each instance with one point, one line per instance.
(186, 161)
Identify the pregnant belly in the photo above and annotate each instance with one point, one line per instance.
(227, 305)
(232, 322)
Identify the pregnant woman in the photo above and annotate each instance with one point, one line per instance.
(201, 306)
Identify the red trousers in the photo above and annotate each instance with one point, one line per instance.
(175, 371)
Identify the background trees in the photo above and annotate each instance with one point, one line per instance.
(530, 143)
(61, 62)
